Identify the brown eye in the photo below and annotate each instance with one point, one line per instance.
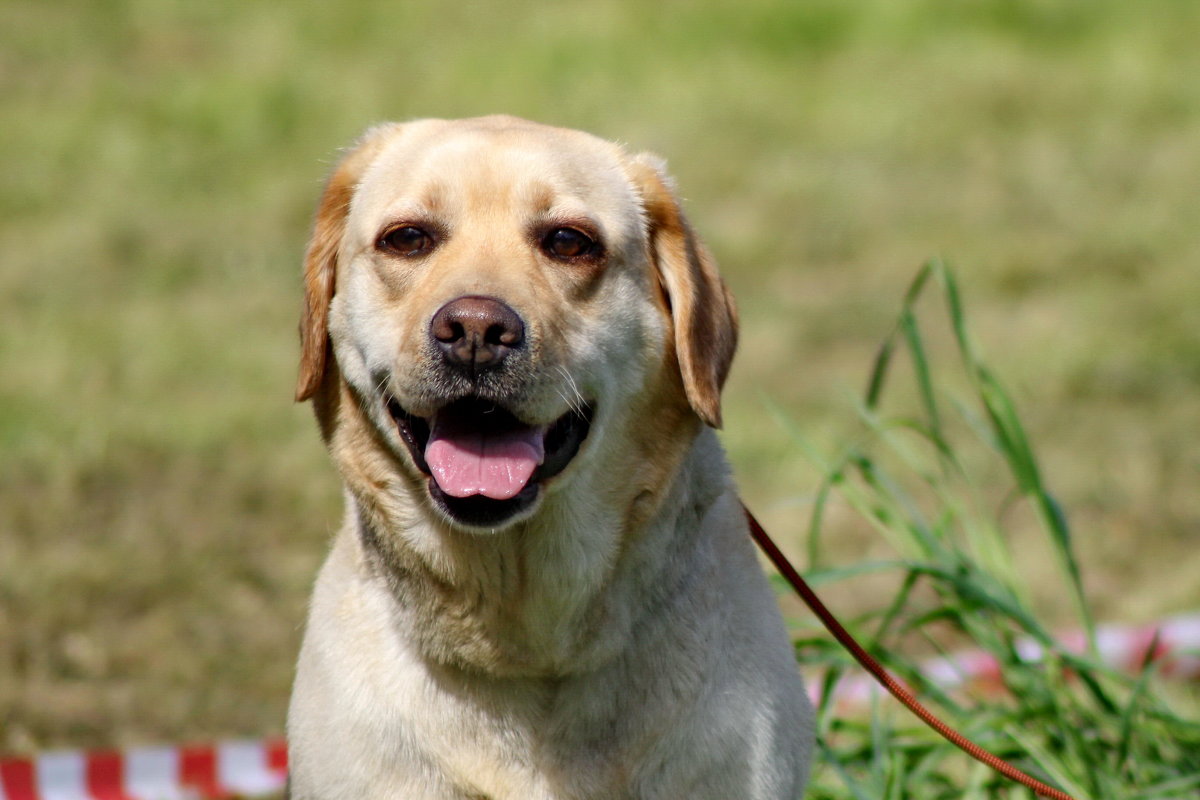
(407, 240)
(569, 243)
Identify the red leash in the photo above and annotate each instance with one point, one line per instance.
(880, 674)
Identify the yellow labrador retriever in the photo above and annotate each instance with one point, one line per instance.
(544, 587)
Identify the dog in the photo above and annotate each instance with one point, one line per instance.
(544, 587)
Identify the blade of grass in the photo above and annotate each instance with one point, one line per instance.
(1015, 447)
(1133, 706)
(1048, 764)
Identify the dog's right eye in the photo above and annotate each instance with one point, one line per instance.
(406, 240)
(569, 244)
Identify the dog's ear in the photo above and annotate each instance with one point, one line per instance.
(321, 259)
(701, 306)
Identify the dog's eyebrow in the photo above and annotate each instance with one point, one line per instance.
(433, 199)
(565, 207)
(541, 197)
(430, 208)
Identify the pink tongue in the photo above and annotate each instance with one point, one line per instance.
(494, 464)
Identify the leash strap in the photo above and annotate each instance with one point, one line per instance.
(880, 674)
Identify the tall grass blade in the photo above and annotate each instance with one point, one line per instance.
(1015, 447)
(912, 337)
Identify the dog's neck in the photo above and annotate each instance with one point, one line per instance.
(553, 595)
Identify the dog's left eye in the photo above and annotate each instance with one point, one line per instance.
(407, 240)
(569, 243)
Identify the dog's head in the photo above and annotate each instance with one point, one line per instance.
(497, 302)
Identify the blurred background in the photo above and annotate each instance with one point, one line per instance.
(164, 505)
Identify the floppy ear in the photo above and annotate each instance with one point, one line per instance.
(701, 306)
(320, 261)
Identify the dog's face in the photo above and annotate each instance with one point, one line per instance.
(502, 299)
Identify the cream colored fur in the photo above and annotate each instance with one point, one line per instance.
(615, 640)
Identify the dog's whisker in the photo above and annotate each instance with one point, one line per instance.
(570, 403)
(576, 402)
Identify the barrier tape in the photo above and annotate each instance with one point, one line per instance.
(194, 772)
(1176, 655)
(258, 768)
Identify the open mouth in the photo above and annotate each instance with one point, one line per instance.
(484, 464)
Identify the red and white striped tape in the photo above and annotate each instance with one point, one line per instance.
(198, 772)
(1175, 643)
(257, 768)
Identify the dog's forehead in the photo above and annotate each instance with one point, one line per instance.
(497, 166)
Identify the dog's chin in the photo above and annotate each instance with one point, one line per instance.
(484, 513)
(474, 417)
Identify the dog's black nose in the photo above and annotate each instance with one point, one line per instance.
(476, 333)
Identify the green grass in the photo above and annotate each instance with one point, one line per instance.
(910, 474)
(163, 504)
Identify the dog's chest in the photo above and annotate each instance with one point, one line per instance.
(520, 752)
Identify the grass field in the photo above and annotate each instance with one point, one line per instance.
(164, 505)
